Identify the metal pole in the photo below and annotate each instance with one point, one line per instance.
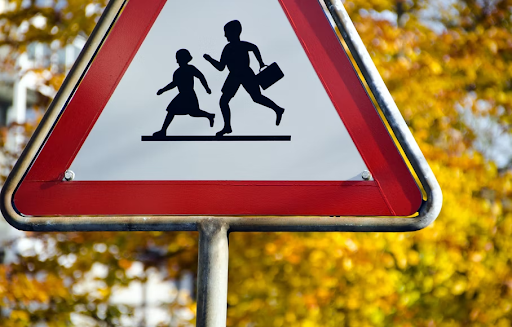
(212, 273)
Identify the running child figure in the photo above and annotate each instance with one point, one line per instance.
(236, 57)
(186, 102)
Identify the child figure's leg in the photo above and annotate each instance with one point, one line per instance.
(167, 122)
(226, 115)
(202, 113)
(256, 96)
(228, 92)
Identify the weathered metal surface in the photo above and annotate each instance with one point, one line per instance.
(212, 275)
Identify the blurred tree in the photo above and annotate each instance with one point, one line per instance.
(448, 66)
(53, 22)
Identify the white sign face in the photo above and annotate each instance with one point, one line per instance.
(310, 144)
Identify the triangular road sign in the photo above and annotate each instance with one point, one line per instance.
(226, 147)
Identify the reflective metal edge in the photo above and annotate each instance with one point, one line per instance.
(427, 213)
(431, 208)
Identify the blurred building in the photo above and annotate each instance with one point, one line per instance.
(26, 85)
(23, 88)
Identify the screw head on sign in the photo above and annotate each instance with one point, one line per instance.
(366, 175)
(69, 175)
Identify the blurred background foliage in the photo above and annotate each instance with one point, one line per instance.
(448, 65)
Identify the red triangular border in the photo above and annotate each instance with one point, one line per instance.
(392, 193)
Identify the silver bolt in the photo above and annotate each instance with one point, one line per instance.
(366, 175)
(69, 175)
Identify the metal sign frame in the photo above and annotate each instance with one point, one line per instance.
(427, 213)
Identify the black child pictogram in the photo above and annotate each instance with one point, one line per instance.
(236, 57)
(186, 102)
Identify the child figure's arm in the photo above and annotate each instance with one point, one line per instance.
(169, 86)
(201, 77)
(257, 54)
(220, 65)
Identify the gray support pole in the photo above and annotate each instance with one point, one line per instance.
(212, 273)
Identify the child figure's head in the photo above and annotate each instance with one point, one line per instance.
(232, 30)
(183, 57)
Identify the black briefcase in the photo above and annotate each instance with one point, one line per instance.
(269, 75)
